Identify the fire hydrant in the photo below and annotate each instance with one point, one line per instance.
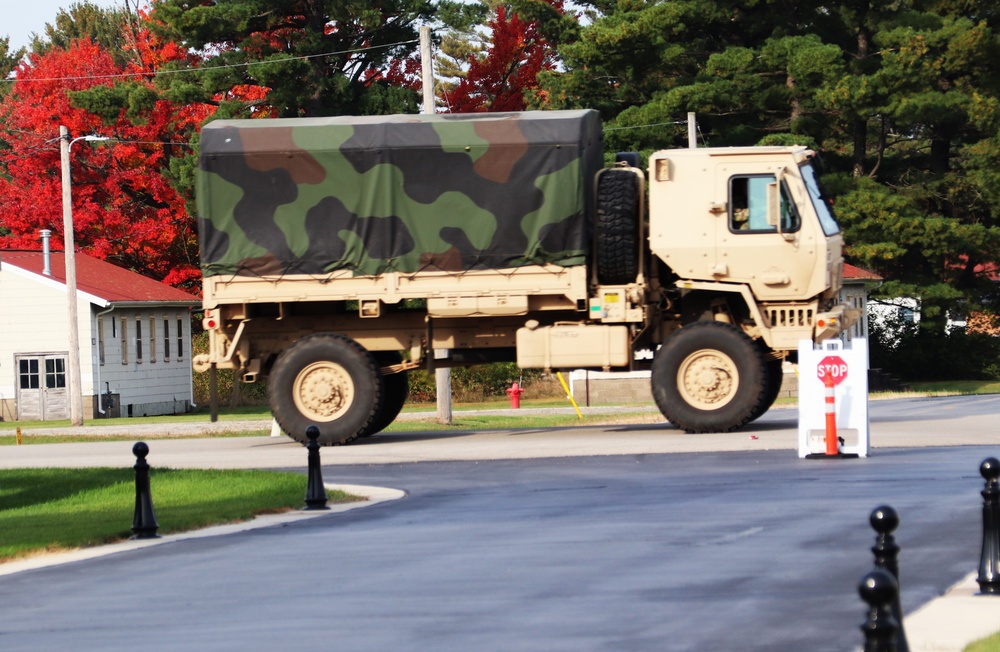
(515, 392)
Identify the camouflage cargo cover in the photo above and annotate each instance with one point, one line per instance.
(402, 193)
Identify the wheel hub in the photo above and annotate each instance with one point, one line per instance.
(708, 379)
(323, 391)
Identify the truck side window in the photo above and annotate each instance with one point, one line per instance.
(748, 202)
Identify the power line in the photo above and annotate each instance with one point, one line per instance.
(247, 64)
(656, 124)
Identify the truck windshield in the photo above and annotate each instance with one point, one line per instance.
(826, 219)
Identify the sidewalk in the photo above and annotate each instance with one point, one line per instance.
(952, 621)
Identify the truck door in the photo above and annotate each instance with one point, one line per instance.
(774, 251)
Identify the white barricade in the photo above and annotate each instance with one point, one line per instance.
(848, 370)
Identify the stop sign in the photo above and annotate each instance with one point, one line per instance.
(833, 367)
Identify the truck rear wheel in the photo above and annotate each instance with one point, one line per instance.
(709, 377)
(617, 227)
(395, 389)
(329, 381)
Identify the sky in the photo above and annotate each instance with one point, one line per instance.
(20, 19)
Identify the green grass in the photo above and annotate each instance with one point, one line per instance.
(43, 510)
(526, 420)
(10, 438)
(201, 415)
(988, 644)
(957, 387)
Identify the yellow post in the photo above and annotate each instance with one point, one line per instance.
(568, 394)
(19, 435)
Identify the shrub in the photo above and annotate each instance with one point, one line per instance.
(912, 353)
(232, 392)
(473, 384)
(468, 384)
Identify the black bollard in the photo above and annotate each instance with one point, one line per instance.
(989, 560)
(878, 589)
(315, 491)
(144, 525)
(885, 520)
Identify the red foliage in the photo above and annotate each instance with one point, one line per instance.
(124, 208)
(405, 73)
(497, 79)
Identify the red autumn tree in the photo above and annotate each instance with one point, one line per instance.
(125, 208)
(498, 76)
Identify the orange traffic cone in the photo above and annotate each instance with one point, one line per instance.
(832, 443)
(832, 439)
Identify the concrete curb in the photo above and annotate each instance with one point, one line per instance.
(954, 620)
(372, 496)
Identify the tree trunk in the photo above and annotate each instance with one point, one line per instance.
(860, 121)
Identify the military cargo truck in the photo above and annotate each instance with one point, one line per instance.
(340, 253)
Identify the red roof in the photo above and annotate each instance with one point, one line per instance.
(856, 273)
(99, 278)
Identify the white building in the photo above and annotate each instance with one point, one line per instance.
(857, 284)
(134, 333)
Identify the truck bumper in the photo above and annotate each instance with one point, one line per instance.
(834, 322)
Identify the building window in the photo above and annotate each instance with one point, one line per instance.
(28, 373)
(55, 373)
(138, 339)
(124, 330)
(152, 339)
(100, 339)
(166, 339)
(180, 339)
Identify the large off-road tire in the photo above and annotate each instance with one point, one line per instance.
(772, 387)
(395, 389)
(709, 377)
(329, 381)
(617, 227)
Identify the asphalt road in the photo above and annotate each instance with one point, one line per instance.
(741, 550)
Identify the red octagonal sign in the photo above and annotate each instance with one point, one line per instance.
(832, 367)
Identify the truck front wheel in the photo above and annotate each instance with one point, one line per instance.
(775, 376)
(329, 381)
(709, 377)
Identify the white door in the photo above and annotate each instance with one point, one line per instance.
(41, 387)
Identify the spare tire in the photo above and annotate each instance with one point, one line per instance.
(617, 227)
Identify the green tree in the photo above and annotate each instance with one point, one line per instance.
(459, 41)
(925, 225)
(900, 96)
(114, 29)
(313, 58)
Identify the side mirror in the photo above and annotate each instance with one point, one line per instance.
(774, 205)
(774, 213)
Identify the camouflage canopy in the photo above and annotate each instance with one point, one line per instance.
(400, 193)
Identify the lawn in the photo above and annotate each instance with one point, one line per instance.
(44, 510)
(988, 644)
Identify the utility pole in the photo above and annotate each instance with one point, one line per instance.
(442, 375)
(74, 384)
(427, 69)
